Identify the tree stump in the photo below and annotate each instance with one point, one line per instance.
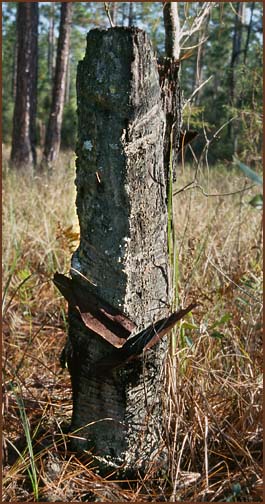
(122, 257)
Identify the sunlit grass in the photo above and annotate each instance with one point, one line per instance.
(36, 211)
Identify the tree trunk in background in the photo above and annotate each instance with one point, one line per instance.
(123, 13)
(172, 29)
(121, 204)
(68, 81)
(53, 132)
(236, 49)
(249, 29)
(51, 37)
(130, 18)
(14, 80)
(169, 82)
(23, 151)
(14, 75)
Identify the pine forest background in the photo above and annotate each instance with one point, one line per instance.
(234, 88)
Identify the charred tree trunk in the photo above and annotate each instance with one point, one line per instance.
(23, 152)
(169, 82)
(122, 257)
(53, 132)
(130, 17)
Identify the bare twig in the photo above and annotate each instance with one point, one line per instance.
(195, 185)
(196, 90)
(221, 128)
(107, 10)
(184, 48)
(197, 22)
(5, 308)
(208, 141)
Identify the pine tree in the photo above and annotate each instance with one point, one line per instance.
(23, 152)
(53, 133)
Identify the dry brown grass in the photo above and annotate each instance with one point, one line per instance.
(216, 413)
(213, 410)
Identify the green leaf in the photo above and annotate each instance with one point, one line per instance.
(257, 201)
(189, 341)
(251, 174)
(216, 334)
(236, 488)
(24, 273)
(242, 300)
(188, 325)
(225, 318)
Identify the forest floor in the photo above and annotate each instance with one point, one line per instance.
(215, 400)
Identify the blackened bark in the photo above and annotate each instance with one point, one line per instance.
(121, 204)
(53, 132)
(123, 13)
(172, 104)
(130, 18)
(169, 82)
(23, 152)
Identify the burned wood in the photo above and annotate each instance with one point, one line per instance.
(171, 101)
